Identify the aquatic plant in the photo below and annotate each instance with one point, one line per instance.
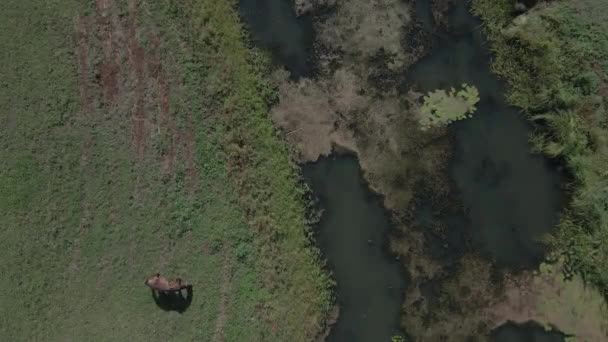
(442, 107)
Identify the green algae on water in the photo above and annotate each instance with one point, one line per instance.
(442, 107)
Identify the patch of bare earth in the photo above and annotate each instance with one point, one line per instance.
(137, 61)
(225, 289)
(109, 68)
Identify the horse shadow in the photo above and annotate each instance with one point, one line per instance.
(173, 300)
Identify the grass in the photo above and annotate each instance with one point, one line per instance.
(84, 221)
(555, 60)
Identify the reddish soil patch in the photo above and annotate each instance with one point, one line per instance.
(137, 60)
(155, 67)
(109, 69)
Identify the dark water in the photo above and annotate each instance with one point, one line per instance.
(424, 14)
(528, 332)
(511, 197)
(274, 26)
(352, 234)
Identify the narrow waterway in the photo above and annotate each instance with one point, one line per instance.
(511, 197)
(352, 235)
(274, 26)
(528, 332)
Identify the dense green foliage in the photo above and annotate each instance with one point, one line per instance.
(555, 59)
(84, 221)
(441, 108)
(265, 177)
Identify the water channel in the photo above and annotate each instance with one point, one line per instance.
(528, 332)
(274, 26)
(352, 234)
(510, 196)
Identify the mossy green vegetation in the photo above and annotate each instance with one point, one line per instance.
(84, 219)
(555, 59)
(442, 107)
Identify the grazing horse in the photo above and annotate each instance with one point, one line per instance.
(161, 284)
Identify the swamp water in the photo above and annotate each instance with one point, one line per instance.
(274, 26)
(352, 235)
(528, 332)
(510, 196)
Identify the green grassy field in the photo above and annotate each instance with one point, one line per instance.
(134, 138)
(555, 59)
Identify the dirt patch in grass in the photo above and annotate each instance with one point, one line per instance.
(137, 60)
(109, 69)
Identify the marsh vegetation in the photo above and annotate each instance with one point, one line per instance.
(555, 59)
(473, 206)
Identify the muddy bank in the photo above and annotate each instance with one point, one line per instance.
(352, 235)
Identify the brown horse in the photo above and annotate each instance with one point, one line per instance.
(161, 284)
